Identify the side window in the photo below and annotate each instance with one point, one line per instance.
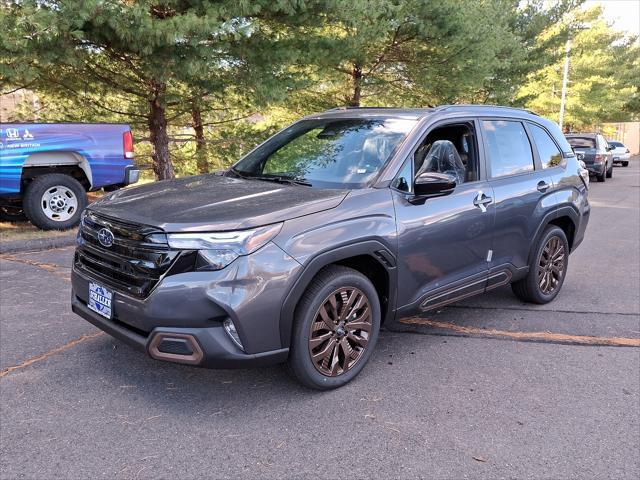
(550, 155)
(404, 180)
(509, 148)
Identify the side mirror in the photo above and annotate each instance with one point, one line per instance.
(609, 148)
(432, 183)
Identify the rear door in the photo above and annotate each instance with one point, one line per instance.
(443, 241)
(520, 187)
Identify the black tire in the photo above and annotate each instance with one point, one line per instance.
(625, 164)
(601, 177)
(12, 214)
(610, 171)
(64, 186)
(529, 289)
(328, 281)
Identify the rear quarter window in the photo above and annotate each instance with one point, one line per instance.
(550, 155)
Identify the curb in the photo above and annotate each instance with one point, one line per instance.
(37, 244)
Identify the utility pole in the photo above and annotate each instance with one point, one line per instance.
(565, 81)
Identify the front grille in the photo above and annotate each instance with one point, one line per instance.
(134, 263)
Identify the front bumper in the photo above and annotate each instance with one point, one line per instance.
(194, 305)
(218, 350)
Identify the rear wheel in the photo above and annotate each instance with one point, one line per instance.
(54, 201)
(601, 177)
(547, 269)
(625, 164)
(610, 171)
(335, 328)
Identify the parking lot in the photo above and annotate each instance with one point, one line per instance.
(488, 387)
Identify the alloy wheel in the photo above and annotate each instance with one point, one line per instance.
(340, 331)
(551, 265)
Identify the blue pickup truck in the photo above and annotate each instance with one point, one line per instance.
(47, 169)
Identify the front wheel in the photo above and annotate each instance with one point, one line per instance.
(335, 328)
(54, 201)
(547, 268)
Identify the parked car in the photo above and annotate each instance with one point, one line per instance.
(620, 153)
(341, 223)
(46, 169)
(594, 150)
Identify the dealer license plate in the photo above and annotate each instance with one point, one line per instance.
(100, 299)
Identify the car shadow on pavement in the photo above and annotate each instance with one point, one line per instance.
(181, 388)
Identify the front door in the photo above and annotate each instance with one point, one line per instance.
(443, 242)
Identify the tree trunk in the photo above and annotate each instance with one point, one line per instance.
(162, 166)
(356, 83)
(201, 145)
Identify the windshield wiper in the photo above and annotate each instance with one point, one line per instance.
(280, 179)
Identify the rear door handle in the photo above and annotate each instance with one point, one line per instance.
(481, 201)
(543, 186)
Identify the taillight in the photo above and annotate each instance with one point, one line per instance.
(599, 157)
(127, 141)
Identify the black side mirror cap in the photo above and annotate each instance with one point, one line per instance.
(432, 183)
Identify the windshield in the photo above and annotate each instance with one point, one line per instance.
(328, 153)
(582, 142)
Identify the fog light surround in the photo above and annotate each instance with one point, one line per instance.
(230, 328)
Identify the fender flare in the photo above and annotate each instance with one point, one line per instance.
(373, 248)
(564, 211)
(49, 159)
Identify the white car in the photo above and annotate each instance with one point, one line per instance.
(620, 153)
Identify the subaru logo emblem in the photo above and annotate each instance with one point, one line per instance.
(105, 237)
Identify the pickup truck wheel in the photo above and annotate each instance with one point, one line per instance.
(547, 269)
(54, 201)
(601, 177)
(335, 328)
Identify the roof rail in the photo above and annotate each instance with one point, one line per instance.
(348, 107)
(446, 107)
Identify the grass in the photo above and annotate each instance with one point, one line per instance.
(25, 231)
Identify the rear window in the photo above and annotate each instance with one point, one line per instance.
(616, 144)
(582, 142)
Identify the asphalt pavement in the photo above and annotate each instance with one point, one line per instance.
(488, 387)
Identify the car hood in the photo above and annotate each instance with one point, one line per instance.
(213, 203)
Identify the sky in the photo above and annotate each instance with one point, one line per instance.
(624, 14)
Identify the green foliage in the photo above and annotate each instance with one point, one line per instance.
(202, 82)
(603, 74)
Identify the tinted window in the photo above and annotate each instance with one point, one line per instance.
(582, 142)
(616, 144)
(509, 148)
(550, 155)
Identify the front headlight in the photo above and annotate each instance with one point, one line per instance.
(219, 249)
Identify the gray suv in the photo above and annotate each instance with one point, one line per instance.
(344, 222)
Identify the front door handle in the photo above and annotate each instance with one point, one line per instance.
(481, 201)
(542, 186)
